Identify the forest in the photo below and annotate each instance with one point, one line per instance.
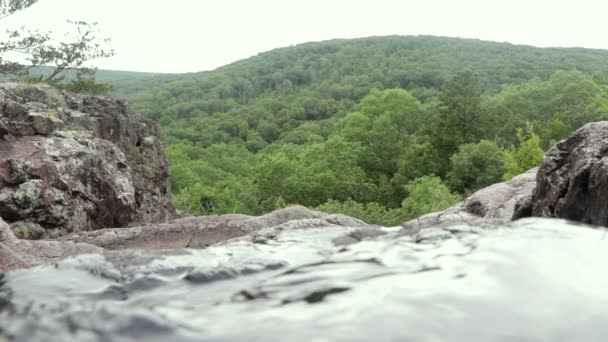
(382, 128)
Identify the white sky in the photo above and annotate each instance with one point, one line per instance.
(196, 35)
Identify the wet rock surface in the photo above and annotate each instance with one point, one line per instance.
(497, 203)
(72, 162)
(459, 283)
(572, 182)
(17, 253)
(194, 232)
(200, 232)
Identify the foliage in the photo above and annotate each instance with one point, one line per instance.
(382, 125)
(529, 154)
(312, 174)
(427, 194)
(82, 47)
(555, 107)
(20, 42)
(39, 49)
(278, 91)
(418, 159)
(476, 166)
(86, 85)
(8, 7)
(371, 212)
(213, 180)
(460, 118)
(349, 125)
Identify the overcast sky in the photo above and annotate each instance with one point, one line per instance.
(196, 35)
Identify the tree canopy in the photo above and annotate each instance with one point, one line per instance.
(381, 128)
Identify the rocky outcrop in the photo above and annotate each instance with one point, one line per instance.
(199, 232)
(9, 260)
(572, 182)
(71, 163)
(17, 253)
(193, 232)
(496, 202)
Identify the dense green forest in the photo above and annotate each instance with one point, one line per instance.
(381, 128)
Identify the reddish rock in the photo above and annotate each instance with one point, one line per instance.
(9, 260)
(16, 253)
(71, 162)
(192, 232)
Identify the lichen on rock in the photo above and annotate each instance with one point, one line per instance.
(28, 194)
(28, 230)
(72, 162)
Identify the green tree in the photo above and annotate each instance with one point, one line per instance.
(529, 154)
(83, 46)
(460, 119)
(402, 108)
(427, 194)
(283, 106)
(555, 107)
(383, 126)
(312, 174)
(420, 158)
(87, 85)
(476, 166)
(255, 142)
(194, 199)
(271, 177)
(18, 41)
(302, 134)
(371, 212)
(8, 7)
(216, 179)
(39, 49)
(555, 130)
(268, 130)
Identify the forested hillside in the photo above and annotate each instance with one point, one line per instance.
(383, 128)
(123, 78)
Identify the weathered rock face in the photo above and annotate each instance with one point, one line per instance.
(459, 283)
(17, 253)
(572, 182)
(9, 260)
(70, 163)
(193, 232)
(496, 203)
(200, 232)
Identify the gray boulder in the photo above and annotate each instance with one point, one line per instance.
(572, 182)
(199, 232)
(496, 202)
